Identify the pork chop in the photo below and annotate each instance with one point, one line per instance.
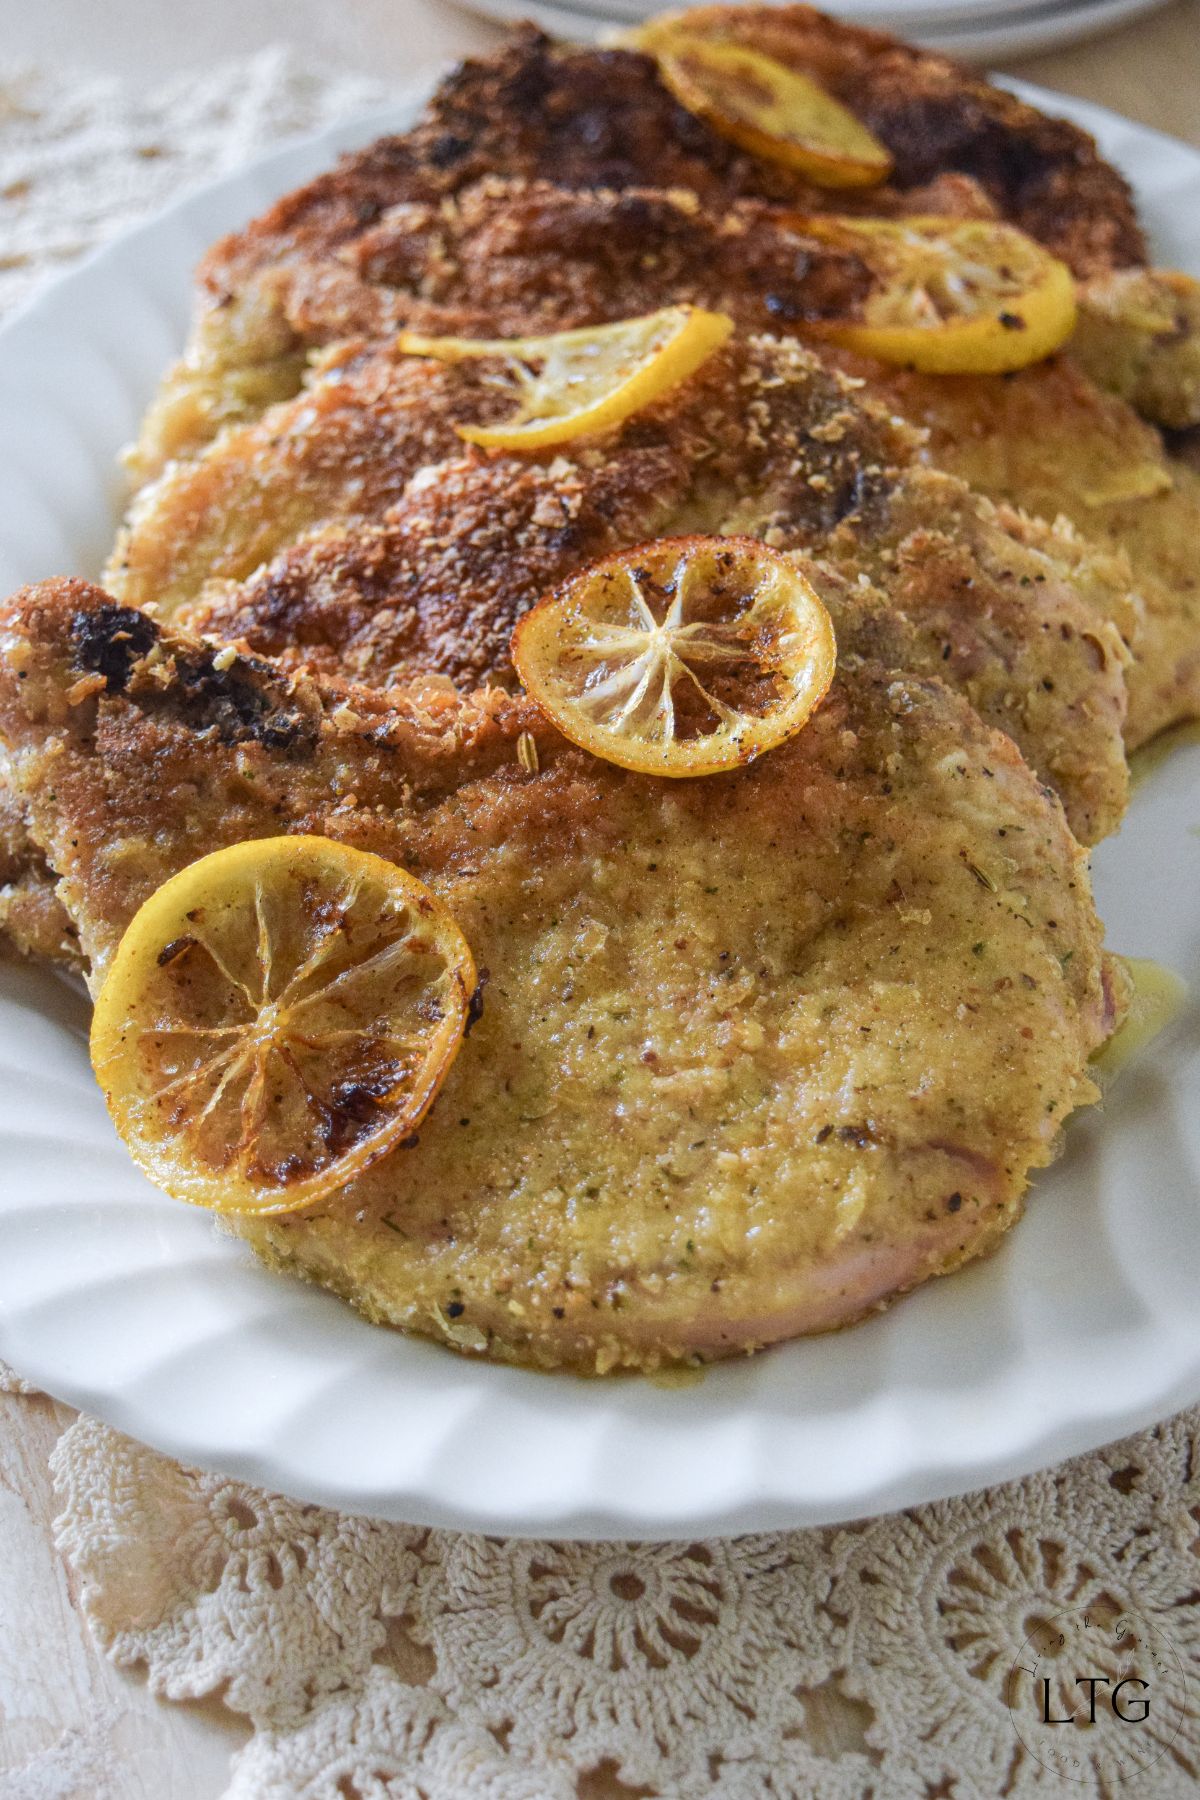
(593, 118)
(349, 531)
(758, 1052)
(32, 919)
(507, 258)
(331, 257)
(1047, 440)
(1139, 337)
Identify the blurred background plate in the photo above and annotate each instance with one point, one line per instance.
(905, 18)
(976, 30)
(1020, 31)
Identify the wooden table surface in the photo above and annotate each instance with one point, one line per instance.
(55, 1688)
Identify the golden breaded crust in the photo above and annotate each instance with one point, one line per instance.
(505, 258)
(512, 258)
(601, 119)
(421, 230)
(759, 1095)
(1139, 337)
(1049, 441)
(937, 117)
(32, 921)
(352, 532)
(594, 118)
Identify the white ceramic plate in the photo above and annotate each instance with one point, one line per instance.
(131, 1306)
(974, 30)
(914, 19)
(1020, 31)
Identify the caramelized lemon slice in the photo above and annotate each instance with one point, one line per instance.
(953, 296)
(580, 381)
(278, 1016)
(683, 657)
(766, 108)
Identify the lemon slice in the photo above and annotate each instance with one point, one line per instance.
(682, 657)
(579, 381)
(764, 107)
(952, 296)
(278, 1016)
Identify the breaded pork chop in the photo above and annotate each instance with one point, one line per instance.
(32, 919)
(1047, 440)
(510, 256)
(591, 118)
(939, 118)
(506, 258)
(1139, 336)
(758, 1052)
(351, 531)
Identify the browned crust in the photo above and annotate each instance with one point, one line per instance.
(515, 257)
(351, 532)
(330, 258)
(1048, 440)
(32, 921)
(588, 118)
(929, 994)
(938, 117)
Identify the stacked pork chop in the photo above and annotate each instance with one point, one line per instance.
(761, 1050)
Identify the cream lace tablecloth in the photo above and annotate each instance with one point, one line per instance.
(377, 1662)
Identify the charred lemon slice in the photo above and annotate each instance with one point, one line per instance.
(766, 108)
(579, 381)
(278, 1016)
(683, 657)
(952, 297)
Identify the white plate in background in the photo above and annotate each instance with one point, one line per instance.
(123, 1302)
(975, 30)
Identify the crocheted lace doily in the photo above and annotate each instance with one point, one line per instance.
(377, 1662)
(380, 1662)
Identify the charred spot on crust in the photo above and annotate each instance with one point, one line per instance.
(1184, 442)
(449, 148)
(174, 950)
(930, 132)
(244, 703)
(784, 306)
(475, 1003)
(1044, 173)
(603, 119)
(859, 494)
(353, 1110)
(110, 640)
